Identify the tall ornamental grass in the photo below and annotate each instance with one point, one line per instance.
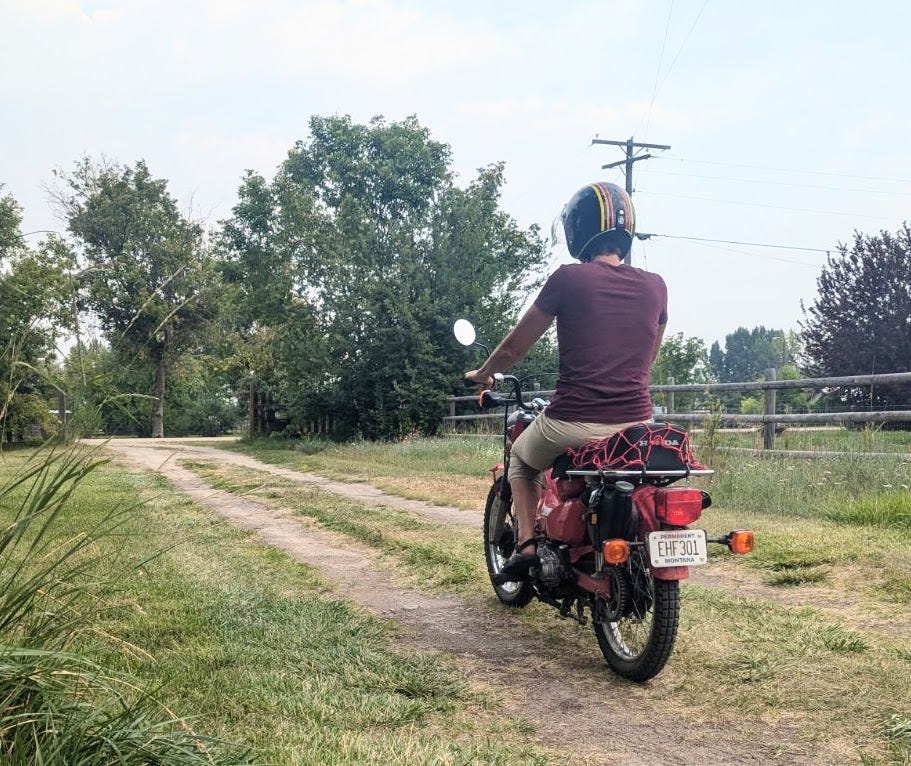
(57, 706)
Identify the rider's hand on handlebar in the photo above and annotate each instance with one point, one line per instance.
(473, 377)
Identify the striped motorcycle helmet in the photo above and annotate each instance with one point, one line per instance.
(597, 220)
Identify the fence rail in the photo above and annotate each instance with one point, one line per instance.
(768, 420)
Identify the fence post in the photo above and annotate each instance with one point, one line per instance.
(670, 396)
(451, 408)
(768, 429)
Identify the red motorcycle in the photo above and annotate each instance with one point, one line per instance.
(613, 536)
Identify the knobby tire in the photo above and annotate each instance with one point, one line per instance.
(647, 662)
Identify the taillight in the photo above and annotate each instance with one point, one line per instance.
(741, 541)
(678, 506)
(615, 551)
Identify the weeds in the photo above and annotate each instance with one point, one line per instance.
(798, 575)
(897, 728)
(838, 639)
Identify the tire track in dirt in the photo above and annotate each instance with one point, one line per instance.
(619, 723)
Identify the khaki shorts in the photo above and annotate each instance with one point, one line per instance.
(545, 439)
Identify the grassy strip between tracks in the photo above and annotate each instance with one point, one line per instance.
(246, 645)
(845, 690)
(855, 490)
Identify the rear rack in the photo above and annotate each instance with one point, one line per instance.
(647, 474)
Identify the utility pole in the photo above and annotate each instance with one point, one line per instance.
(631, 157)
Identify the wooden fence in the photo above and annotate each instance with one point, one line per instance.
(769, 419)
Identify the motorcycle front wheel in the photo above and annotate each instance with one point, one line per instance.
(637, 636)
(500, 532)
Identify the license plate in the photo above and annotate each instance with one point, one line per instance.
(677, 548)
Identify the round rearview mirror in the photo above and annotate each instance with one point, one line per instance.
(464, 332)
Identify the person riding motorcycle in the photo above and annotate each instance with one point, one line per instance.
(610, 322)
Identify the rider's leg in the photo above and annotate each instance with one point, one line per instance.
(534, 450)
(526, 495)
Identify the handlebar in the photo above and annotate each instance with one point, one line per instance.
(489, 399)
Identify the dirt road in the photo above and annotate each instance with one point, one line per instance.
(558, 694)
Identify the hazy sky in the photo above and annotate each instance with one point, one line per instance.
(788, 120)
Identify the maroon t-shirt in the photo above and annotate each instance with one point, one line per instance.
(607, 323)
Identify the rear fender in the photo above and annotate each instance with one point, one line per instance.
(644, 498)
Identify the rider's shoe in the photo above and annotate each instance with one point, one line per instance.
(520, 563)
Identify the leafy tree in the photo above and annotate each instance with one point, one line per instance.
(33, 307)
(748, 353)
(200, 399)
(716, 361)
(145, 271)
(686, 361)
(351, 265)
(104, 387)
(860, 322)
(751, 405)
(792, 399)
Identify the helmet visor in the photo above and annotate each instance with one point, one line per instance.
(558, 229)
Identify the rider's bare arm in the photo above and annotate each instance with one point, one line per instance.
(658, 338)
(515, 345)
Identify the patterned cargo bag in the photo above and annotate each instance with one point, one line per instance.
(643, 447)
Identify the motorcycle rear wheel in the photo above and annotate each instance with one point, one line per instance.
(639, 642)
(498, 516)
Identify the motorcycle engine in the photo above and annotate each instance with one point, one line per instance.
(552, 569)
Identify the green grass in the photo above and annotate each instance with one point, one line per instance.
(871, 439)
(422, 469)
(247, 645)
(749, 658)
(789, 663)
(859, 491)
(466, 456)
(796, 574)
(437, 557)
(813, 518)
(867, 491)
(58, 703)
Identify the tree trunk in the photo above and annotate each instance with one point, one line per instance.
(158, 411)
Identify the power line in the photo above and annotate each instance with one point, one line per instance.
(683, 44)
(782, 183)
(761, 255)
(667, 27)
(676, 158)
(703, 242)
(734, 242)
(769, 207)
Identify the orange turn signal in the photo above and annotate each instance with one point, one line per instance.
(615, 551)
(741, 541)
